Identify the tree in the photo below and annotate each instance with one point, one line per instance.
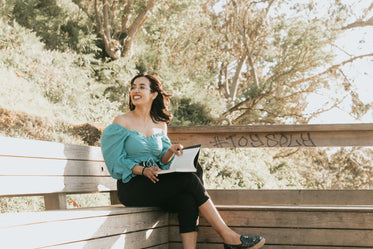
(117, 22)
(344, 168)
(175, 44)
(177, 39)
(363, 21)
(275, 53)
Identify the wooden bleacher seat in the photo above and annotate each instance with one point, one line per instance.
(53, 170)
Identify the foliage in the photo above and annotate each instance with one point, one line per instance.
(59, 24)
(179, 42)
(36, 203)
(249, 169)
(283, 168)
(274, 54)
(61, 85)
(88, 200)
(21, 204)
(116, 22)
(339, 168)
(263, 61)
(187, 113)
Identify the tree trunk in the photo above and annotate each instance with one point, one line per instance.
(235, 80)
(135, 26)
(103, 20)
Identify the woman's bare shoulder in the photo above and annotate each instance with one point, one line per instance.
(123, 119)
(163, 127)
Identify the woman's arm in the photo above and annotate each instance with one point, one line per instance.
(172, 150)
(175, 149)
(149, 172)
(138, 170)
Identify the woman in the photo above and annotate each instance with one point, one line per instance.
(136, 147)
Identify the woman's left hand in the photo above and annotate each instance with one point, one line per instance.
(151, 173)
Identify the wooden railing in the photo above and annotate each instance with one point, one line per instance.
(274, 135)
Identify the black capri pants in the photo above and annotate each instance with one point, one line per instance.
(182, 193)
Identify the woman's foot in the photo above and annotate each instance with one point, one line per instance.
(247, 242)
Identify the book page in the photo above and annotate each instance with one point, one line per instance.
(184, 163)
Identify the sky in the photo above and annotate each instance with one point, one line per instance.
(354, 42)
(360, 74)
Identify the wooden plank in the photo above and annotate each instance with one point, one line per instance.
(274, 135)
(66, 230)
(114, 199)
(42, 149)
(52, 167)
(290, 217)
(38, 185)
(178, 245)
(271, 128)
(152, 239)
(28, 218)
(291, 197)
(281, 139)
(290, 236)
(310, 247)
(163, 246)
(55, 201)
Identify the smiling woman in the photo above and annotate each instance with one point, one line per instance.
(148, 87)
(136, 148)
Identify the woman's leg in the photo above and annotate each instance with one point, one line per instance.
(185, 205)
(213, 217)
(181, 193)
(187, 212)
(142, 192)
(189, 240)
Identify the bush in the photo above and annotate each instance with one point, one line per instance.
(247, 168)
(50, 83)
(187, 113)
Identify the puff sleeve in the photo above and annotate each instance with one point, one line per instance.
(115, 156)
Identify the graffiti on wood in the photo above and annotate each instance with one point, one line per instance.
(264, 140)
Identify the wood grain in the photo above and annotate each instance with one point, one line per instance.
(291, 197)
(38, 185)
(42, 149)
(274, 135)
(78, 226)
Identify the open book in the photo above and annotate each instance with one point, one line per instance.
(185, 163)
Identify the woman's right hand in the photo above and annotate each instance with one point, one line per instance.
(151, 173)
(176, 149)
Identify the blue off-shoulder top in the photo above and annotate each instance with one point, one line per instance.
(123, 149)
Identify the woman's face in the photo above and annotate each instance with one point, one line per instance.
(140, 92)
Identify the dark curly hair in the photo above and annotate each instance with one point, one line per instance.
(158, 111)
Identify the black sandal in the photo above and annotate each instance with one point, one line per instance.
(248, 242)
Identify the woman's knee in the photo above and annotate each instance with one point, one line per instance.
(187, 202)
(189, 180)
(188, 213)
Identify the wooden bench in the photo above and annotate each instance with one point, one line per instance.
(289, 219)
(54, 170)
